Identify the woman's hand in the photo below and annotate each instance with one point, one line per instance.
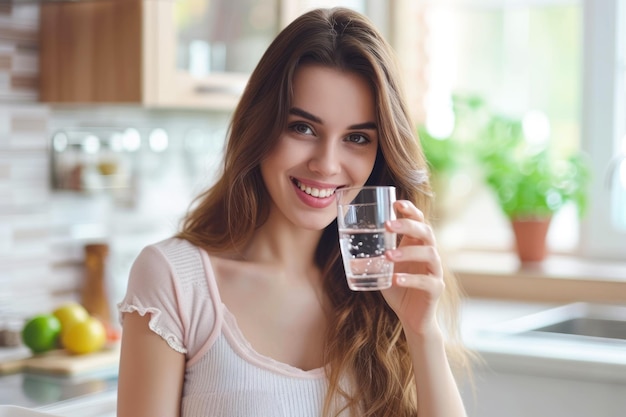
(418, 272)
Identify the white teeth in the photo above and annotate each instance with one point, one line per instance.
(316, 192)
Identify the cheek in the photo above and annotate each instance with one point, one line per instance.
(285, 150)
(275, 158)
(367, 163)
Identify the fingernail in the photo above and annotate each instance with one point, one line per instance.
(395, 224)
(394, 253)
(401, 279)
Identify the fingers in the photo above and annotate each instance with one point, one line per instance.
(414, 229)
(421, 282)
(408, 210)
(425, 255)
(421, 245)
(411, 223)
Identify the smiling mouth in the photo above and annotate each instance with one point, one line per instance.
(314, 192)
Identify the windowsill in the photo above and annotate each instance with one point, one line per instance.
(557, 279)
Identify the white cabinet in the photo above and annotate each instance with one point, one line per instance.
(529, 375)
(515, 394)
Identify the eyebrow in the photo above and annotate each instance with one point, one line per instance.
(299, 112)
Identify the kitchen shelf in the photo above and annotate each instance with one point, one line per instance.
(557, 279)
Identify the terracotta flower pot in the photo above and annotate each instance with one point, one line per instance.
(530, 238)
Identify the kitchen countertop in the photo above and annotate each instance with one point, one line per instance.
(93, 395)
(558, 279)
(558, 355)
(43, 391)
(102, 404)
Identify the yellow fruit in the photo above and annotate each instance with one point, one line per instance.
(70, 314)
(85, 336)
(41, 333)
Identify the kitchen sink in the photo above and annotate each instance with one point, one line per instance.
(591, 327)
(581, 321)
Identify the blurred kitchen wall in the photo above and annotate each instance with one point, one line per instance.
(43, 227)
(25, 268)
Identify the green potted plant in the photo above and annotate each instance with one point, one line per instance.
(530, 183)
(448, 157)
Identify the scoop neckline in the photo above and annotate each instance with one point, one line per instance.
(249, 353)
(238, 340)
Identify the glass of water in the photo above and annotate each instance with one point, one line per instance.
(362, 213)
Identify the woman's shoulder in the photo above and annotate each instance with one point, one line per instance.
(173, 247)
(182, 258)
(174, 277)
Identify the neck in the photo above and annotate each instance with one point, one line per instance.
(284, 246)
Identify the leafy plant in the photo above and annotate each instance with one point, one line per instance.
(448, 154)
(529, 182)
(442, 154)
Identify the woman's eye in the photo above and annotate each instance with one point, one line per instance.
(302, 128)
(358, 139)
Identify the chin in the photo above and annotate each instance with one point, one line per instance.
(315, 224)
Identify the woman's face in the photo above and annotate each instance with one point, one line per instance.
(330, 141)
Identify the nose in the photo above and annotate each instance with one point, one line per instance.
(326, 160)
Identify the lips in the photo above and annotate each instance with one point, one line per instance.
(313, 191)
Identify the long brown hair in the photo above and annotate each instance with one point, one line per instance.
(365, 342)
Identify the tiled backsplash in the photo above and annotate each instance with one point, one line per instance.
(42, 231)
(164, 182)
(18, 52)
(24, 218)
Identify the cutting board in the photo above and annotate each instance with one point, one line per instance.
(61, 362)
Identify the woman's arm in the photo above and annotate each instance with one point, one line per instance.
(151, 373)
(418, 284)
(437, 392)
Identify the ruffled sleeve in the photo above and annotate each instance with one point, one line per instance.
(152, 289)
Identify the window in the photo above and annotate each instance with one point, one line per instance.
(560, 63)
(604, 127)
(376, 10)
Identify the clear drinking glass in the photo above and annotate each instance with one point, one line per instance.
(362, 212)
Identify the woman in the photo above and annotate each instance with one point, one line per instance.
(247, 311)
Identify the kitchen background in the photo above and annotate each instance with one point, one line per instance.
(84, 161)
(160, 158)
(90, 169)
(103, 146)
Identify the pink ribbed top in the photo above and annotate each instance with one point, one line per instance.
(174, 282)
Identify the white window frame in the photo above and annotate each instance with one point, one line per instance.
(378, 11)
(603, 120)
